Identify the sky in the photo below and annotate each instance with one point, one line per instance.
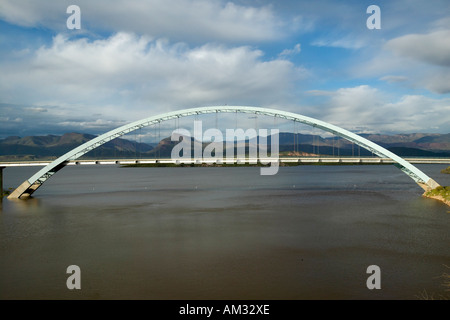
(133, 59)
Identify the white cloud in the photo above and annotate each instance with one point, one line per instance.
(438, 82)
(320, 92)
(432, 48)
(26, 120)
(346, 43)
(288, 52)
(88, 125)
(174, 54)
(30, 13)
(368, 107)
(442, 23)
(37, 109)
(126, 74)
(180, 20)
(427, 58)
(420, 60)
(350, 104)
(417, 113)
(394, 79)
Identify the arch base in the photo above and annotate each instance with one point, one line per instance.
(21, 191)
(430, 185)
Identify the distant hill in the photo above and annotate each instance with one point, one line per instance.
(52, 146)
(429, 142)
(411, 145)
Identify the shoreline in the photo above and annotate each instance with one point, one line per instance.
(440, 193)
(437, 197)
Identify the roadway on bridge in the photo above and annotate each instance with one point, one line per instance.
(305, 160)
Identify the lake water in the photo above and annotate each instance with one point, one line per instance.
(309, 232)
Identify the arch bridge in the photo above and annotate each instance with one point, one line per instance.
(33, 183)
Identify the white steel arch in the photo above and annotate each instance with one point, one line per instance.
(34, 182)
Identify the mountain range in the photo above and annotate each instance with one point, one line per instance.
(52, 146)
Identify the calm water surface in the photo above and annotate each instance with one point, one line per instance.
(309, 232)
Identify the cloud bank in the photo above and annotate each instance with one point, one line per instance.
(124, 76)
(179, 20)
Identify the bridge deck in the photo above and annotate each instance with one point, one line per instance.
(355, 160)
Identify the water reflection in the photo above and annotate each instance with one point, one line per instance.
(25, 205)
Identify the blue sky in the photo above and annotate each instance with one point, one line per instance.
(133, 59)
